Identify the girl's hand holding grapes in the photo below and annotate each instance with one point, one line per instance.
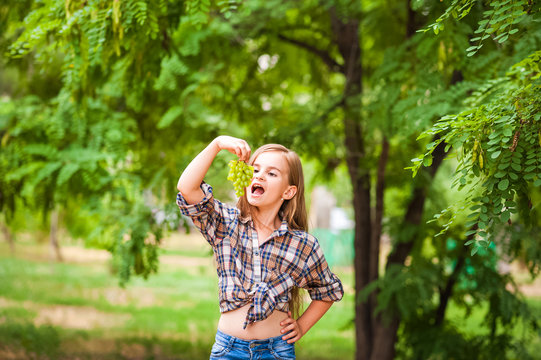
(235, 146)
(240, 174)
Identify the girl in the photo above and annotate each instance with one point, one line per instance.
(263, 252)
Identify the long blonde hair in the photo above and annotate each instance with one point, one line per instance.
(292, 210)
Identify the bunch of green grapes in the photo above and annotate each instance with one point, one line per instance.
(241, 175)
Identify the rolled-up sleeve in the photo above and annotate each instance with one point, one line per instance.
(210, 216)
(321, 283)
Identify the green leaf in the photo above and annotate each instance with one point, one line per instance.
(495, 154)
(46, 171)
(505, 216)
(171, 115)
(503, 185)
(66, 173)
(515, 166)
(510, 203)
(427, 161)
(470, 223)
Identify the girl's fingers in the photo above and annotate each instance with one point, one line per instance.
(242, 155)
(293, 340)
(288, 328)
(290, 335)
(286, 322)
(242, 150)
(236, 146)
(245, 151)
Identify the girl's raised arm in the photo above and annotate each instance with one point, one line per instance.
(190, 181)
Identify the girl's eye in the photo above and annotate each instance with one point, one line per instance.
(272, 174)
(255, 171)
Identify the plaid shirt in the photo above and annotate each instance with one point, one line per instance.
(262, 275)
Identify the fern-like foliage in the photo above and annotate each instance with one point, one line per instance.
(498, 22)
(82, 143)
(498, 141)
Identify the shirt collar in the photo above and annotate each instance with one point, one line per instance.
(281, 231)
(245, 219)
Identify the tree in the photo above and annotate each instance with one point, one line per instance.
(364, 86)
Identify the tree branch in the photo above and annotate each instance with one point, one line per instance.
(327, 59)
(414, 212)
(378, 216)
(445, 293)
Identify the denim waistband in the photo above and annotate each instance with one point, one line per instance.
(268, 343)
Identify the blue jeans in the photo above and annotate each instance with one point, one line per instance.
(228, 347)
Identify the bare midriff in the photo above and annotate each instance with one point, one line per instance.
(231, 323)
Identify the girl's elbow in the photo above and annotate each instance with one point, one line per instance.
(184, 189)
(189, 192)
(183, 185)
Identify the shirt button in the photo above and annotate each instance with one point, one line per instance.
(256, 253)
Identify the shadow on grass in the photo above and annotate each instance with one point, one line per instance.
(18, 339)
(24, 340)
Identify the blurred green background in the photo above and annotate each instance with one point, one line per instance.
(103, 103)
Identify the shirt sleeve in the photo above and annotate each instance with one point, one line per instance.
(321, 283)
(210, 216)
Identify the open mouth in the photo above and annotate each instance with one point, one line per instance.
(257, 189)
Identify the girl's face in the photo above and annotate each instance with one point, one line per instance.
(270, 183)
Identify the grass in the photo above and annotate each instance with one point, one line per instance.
(76, 309)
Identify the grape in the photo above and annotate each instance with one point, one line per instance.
(240, 174)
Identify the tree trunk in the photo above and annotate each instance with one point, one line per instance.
(447, 291)
(361, 204)
(386, 334)
(9, 238)
(346, 37)
(53, 237)
(375, 246)
(374, 339)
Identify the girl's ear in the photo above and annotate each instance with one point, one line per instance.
(290, 192)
